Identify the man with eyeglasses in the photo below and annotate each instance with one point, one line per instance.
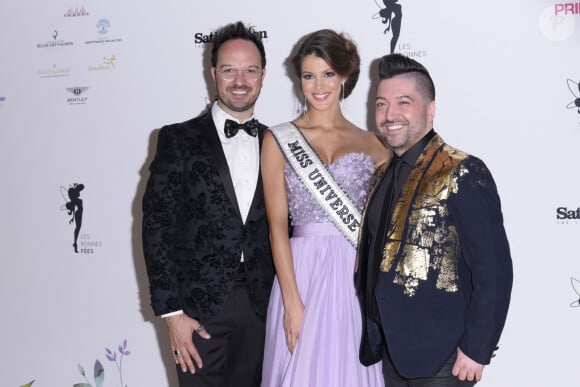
(205, 234)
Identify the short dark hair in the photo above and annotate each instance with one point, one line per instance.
(335, 49)
(237, 30)
(393, 65)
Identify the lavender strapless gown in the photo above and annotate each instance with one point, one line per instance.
(327, 351)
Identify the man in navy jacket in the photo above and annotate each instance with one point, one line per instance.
(434, 272)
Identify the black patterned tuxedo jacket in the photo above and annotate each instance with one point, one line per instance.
(445, 274)
(193, 234)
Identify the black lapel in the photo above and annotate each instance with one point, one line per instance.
(258, 193)
(217, 151)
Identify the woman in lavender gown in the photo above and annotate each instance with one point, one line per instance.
(313, 326)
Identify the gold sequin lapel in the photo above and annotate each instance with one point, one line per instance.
(421, 236)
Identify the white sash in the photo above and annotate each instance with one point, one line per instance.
(309, 168)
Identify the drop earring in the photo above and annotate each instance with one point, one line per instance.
(341, 102)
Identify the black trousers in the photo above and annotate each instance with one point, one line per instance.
(444, 377)
(233, 356)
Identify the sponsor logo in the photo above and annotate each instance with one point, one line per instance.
(76, 11)
(74, 206)
(54, 72)
(78, 99)
(107, 64)
(103, 27)
(202, 38)
(54, 42)
(2, 99)
(557, 22)
(567, 9)
(565, 215)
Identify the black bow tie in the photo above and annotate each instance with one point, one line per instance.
(231, 128)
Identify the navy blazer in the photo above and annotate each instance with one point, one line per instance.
(193, 233)
(446, 273)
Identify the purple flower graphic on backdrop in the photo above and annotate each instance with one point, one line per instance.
(2, 99)
(112, 356)
(99, 371)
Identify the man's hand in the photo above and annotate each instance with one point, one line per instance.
(181, 328)
(465, 368)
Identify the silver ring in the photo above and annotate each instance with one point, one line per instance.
(177, 352)
(199, 329)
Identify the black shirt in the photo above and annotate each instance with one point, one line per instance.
(380, 203)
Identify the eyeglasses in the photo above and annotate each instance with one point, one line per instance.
(249, 73)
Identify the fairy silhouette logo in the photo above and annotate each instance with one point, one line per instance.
(574, 88)
(576, 288)
(74, 208)
(390, 16)
(82, 243)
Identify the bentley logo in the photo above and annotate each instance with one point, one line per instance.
(77, 90)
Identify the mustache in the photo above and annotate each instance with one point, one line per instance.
(244, 88)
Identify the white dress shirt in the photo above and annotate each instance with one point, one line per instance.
(243, 156)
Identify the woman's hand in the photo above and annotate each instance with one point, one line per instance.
(292, 324)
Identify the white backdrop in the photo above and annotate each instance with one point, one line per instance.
(84, 87)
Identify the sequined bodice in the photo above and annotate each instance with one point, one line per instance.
(352, 172)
